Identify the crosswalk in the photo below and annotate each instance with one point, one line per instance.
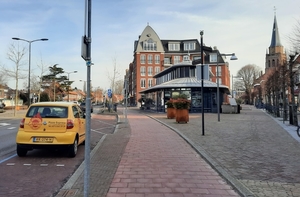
(4, 124)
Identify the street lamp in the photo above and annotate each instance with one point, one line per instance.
(75, 71)
(30, 41)
(233, 57)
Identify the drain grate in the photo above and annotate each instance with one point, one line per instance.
(67, 192)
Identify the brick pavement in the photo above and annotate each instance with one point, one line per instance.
(158, 162)
(251, 148)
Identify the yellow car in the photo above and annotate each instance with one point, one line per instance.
(51, 125)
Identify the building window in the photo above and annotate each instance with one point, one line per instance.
(219, 72)
(143, 83)
(176, 59)
(143, 71)
(174, 46)
(157, 59)
(189, 46)
(186, 58)
(143, 59)
(157, 69)
(213, 57)
(150, 83)
(150, 71)
(150, 59)
(149, 45)
(167, 60)
(220, 81)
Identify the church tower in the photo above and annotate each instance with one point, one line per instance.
(275, 56)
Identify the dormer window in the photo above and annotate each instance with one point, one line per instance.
(189, 46)
(174, 46)
(149, 45)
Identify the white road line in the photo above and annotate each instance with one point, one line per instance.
(43, 164)
(26, 164)
(4, 124)
(11, 127)
(10, 164)
(60, 165)
(98, 132)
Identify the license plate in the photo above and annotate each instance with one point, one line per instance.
(43, 139)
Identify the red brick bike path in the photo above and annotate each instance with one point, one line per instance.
(157, 162)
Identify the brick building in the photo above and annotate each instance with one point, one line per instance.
(153, 55)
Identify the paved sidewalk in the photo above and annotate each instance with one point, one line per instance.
(10, 113)
(250, 154)
(157, 162)
(253, 149)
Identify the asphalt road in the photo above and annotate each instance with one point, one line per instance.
(41, 172)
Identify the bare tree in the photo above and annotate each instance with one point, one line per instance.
(15, 54)
(248, 74)
(3, 76)
(294, 38)
(119, 86)
(115, 76)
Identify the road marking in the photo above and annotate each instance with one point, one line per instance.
(10, 164)
(8, 158)
(4, 124)
(11, 127)
(60, 165)
(27, 164)
(43, 164)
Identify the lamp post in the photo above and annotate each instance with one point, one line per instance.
(233, 57)
(75, 71)
(202, 84)
(29, 41)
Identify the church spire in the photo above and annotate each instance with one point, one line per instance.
(275, 40)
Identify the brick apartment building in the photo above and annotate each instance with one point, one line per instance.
(153, 55)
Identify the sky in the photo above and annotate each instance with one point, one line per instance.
(243, 27)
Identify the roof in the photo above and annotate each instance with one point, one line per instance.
(275, 40)
(59, 103)
(186, 83)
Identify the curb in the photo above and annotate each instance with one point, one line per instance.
(237, 185)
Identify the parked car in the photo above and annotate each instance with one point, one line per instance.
(51, 125)
(83, 107)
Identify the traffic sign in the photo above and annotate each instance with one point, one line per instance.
(109, 93)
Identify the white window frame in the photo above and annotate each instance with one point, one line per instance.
(143, 59)
(157, 59)
(213, 57)
(189, 46)
(150, 59)
(150, 70)
(176, 59)
(150, 83)
(143, 70)
(219, 74)
(143, 83)
(174, 46)
(220, 80)
(157, 69)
